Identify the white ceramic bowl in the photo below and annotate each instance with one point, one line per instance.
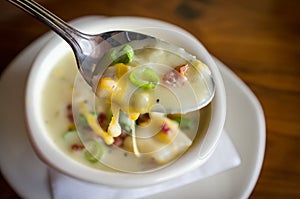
(54, 157)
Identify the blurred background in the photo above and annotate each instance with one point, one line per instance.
(259, 40)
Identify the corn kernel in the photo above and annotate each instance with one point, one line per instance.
(134, 116)
(107, 83)
(163, 137)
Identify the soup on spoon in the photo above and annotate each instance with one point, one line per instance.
(137, 107)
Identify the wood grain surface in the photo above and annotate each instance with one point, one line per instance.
(258, 39)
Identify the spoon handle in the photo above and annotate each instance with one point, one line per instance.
(69, 34)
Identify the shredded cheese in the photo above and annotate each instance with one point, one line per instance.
(134, 144)
(133, 117)
(93, 123)
(114, 128)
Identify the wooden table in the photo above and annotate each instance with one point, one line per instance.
(258, 39)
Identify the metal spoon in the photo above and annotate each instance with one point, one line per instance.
(90, 50)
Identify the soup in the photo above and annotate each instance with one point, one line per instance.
(110, 130)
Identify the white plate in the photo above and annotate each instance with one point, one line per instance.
(28, 176)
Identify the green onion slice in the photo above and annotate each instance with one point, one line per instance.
(71, 137)
(124, 55)
(144, 77)
(94, 151)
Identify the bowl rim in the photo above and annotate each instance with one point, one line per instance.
(43, 147)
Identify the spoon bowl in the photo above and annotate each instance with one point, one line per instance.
(91, 53)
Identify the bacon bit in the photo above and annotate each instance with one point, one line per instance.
(177, 76)
(182, 69)
(77, 147)
(69, 113)
(165, 128)
(119, 141)
(70, 117)
(69, 107)
(143, 120)
(103, 120)
(171, 77)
